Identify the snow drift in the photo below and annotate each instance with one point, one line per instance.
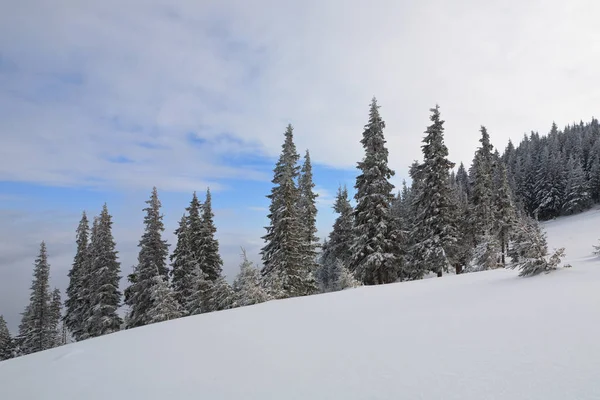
(487, 335)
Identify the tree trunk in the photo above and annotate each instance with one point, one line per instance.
(458, 269)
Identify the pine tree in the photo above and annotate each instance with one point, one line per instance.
(75, 305)
(221, 295)
(37, 331)
(208, 251)
(284, 271)
(104, 280)
(342, 278)
(164, 306)
(307, 209)
(182, 265)
(6, 342)
(152, 262)
(577, 194)
(530, 250)
(247, 288)
(434, 229)
(375, 250)
(505, 213)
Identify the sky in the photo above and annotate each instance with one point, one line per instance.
(101, 101)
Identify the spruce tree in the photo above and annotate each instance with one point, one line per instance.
(208, 251)
(37, 331)
(284, 272)
(434, 228)
(307, 209)
(505, 213)
(577, 194)
(164, 306)
(7, 349)
(105, 296)
(152, 262)
(75, 305)
(182, 265)
(482, 184)
(375, 250)
(247, 288)
(530, 250)
(55, 316)
(338, 246)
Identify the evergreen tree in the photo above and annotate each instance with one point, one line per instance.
(199, 300)
(104, 280)
(221, 295)
(338, 247)
(435, 230)
(7, 349)
(530, 250)
(577, 194)
(549, 190)
(208, 250)
(164, 306)
(152, 262)
(461, 252)
(247, 288)
(37, 331)
(307, 209)
(342, 278)
(375, 251)
(462, 180)
(284, 271)
(182, 265)
(75, 305)
(481, 181)
(55, 310)
(505, 213)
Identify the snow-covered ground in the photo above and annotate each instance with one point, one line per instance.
(488, 335)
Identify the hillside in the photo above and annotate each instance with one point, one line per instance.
(488, 335)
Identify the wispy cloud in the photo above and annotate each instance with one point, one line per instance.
(87, 83)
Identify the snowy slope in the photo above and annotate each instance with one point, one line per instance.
(488, 335)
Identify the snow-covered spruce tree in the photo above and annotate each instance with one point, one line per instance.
(550, 183)
(199, 300)
(504, 212)
(340, 240)
(343, 278)
(307, 208)
(375, 250)
(529, 252)
(577, 194)
(75, 305)
(163, 306)
(182, 265)
(37, 331)
(481, 182)
(208, 252)
(7, 349)
(55, 316)
(461, 252)
(434, 228)
(284, 272)
(246, 286)
(152, 262)
(462, 180)
(105, 296)
(221, 295)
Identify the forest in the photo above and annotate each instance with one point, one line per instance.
(450, 219)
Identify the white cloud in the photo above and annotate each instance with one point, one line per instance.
(246, 69)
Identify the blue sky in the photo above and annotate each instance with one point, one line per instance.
(100, 101)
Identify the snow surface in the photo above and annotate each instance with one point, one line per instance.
(486, 335)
